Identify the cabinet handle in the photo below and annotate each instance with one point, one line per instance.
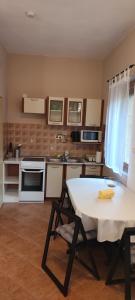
(93, 168)
(74, 167)
(31, 171)
(55, 167)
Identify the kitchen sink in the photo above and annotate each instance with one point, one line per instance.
(52, 159)
(61, 159)
(73, 160)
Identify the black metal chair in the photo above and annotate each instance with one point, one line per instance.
(76, 238)
(126, 252)
(93, 176)
(64, 202)
(64, 199)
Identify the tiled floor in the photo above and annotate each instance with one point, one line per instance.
(22, 235)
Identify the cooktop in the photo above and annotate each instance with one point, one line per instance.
(33, 159)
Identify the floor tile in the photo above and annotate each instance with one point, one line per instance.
(23, 230)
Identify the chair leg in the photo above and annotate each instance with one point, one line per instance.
(48, 238)
(63, 287)
(93, 270)
(113, 266)
(127, 265)
(127, 279)
(72, 251)
(69, 270)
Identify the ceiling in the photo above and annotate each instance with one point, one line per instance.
(67, 28)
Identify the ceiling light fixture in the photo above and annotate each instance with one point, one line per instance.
(30, 14)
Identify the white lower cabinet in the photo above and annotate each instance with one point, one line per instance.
(11, 181)
(1, 182)
(73, 171)
(54, 180)
(93, 170)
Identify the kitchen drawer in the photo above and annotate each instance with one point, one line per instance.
(93, 170)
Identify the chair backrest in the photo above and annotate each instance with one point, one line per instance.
(126, 240)
(58, 213)
(92, 176)
(124, 252)
(64, 195)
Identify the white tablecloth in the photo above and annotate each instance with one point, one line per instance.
(109, 217)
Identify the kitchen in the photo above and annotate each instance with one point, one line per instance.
(25, 75)
(83, 156)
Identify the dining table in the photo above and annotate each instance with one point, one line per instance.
(108, 216)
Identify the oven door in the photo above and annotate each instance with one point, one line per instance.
(32, 180)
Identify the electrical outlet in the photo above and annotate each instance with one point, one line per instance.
(59, 136)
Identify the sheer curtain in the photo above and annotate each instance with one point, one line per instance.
(116, 122)
(131, 167)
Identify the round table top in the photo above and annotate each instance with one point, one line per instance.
(84, 197)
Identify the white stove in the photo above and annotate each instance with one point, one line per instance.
(32, 179)
(34, 162)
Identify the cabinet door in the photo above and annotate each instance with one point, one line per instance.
(56, 111)
(74, 112)
(73, 171)
(93, 170)
(34, 105)
(93, 112)
(1, 129)
(1, 182)
(54, 181)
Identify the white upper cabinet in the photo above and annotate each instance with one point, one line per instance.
(56, 111)
(74, 112)
(34, 105)
(93, 112)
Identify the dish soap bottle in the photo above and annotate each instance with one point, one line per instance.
(10, 150)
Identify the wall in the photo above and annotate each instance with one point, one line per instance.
(3, 104)
(3, 96)
(39, 76)
(118, 60)
(39, 139)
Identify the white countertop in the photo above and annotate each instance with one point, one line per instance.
(14, 160)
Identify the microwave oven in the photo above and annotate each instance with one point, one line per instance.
(91, 136)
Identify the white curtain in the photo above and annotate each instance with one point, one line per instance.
(131, 167)
(116, 122)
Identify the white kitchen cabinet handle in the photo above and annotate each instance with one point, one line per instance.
(55, 167)
(73, 167)
(30, 171)
(92, 167)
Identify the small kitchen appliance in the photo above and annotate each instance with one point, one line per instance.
(32, 179)
(91, 136)
(75, 136)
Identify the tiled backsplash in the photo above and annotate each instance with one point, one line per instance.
(37, 139)
(5, 138)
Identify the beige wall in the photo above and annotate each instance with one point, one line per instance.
(2, 104)
(3, 73)
(121, 57)
(118, 60)
(40, 76)
(3, 94)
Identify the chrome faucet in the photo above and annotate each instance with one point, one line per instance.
(66, 154)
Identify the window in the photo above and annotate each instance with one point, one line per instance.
(116, 141)
(129, 129)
